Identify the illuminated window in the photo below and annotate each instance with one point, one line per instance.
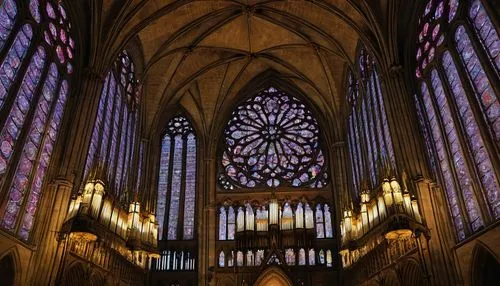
(272, 140)
(34, 107)
(302, 256)
(177, 181)
(222, 261)
(369, 140)
(222, 224)
(457, 79)
(290, 256)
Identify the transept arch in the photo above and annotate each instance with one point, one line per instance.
(485, 266)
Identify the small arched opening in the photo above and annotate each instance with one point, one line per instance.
(485, 267)
(7, 270)
(273, 276)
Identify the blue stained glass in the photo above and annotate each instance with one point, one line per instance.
(383, 117)
(35, 10)
(114, 135)
(320, 229)
(272, 139)
(353, 156)
(175, 190)
(486, 31)
(8, 14)
(97, 126)
(222, 223)
(163, 183)
(139, 173)
(231, 223)
(106, 129)
(121, 149)
(47, 148)
(372, 133)
(463, 173)
(190, 188)
(479, 152)
(13, 60)
(448, 183)
(20, 107)
(484, 92)
(371, 167)
(426, 136)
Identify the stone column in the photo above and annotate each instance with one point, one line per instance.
(70, 155)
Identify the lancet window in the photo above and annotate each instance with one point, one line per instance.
(369, 139)
(36, 62)
(177, 181)
(461, 78)
(257, 219)
(115, 133)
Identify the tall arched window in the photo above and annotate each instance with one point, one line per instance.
(230, 223)
(177, 181)
(222, 223)
(114, 137)
(272, 139)
(312, 257)
(459, 78)
(222, 259)
(299, 216)
(36, 61)
(302, 256)
(369, 140)
(320, 225)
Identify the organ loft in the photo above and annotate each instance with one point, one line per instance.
(249, 142)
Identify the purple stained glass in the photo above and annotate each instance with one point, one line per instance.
(47, 148)
(97, 126)
(106, 129)
(486, 31)
(114, 135)
(121, 149)
(13, 60)
(484, 92)
(426, 136)
(448, 182)
(272, 139)
(8, 14)
(35, 10)
(231, 223)
(50, 10)
(462, 171)
(453, 4)
(328, 222)
(163, 181)
(369, 157)
(222, 223)
(190, 187)
(475, 140)
(175, 190)
(21, 105)
(60, 54)
(320, 228)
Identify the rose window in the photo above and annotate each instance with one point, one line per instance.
(272, 140)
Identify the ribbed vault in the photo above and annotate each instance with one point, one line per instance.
(199, 54)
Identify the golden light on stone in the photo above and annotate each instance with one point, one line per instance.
(398, 234)
(83, 236)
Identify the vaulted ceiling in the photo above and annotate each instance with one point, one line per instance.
(200, 54)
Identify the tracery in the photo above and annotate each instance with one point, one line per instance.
(458, 76)
(37, 50)
(272, 140)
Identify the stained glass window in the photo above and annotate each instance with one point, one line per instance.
(302, 256)
(114, 134)
(290, 256)
(177, 181)
(259, 257)
(250, 258)
(222, 260)
(460, 81)
(368, 138)
(328, 222)
(239, 258)
(320, 228)
(273, 140)
(34, 107)
(222, 224)
(230, 223)
(299, 216)
(309, 217)
(312, 257)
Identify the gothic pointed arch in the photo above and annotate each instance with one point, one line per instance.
(272, 138)
(485, 266)
(273, 275)
(10, 269)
